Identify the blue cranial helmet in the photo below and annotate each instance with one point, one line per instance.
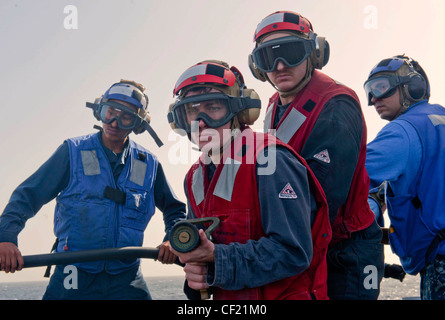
(398, 71)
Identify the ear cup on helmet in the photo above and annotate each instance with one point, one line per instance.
(170, 119)
(424, 77)
(320, 56)
(415, 89)
(249, 116)
(145, 117)
(96, 115)
(172, 123)
(141, 128)
(257, 73)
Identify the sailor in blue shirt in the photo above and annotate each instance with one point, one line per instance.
(106, 189)
(407, 157)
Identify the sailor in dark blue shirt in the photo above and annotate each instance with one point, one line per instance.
(87, 217)
(406, 169)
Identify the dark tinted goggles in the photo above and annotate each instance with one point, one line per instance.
(291, 50)
(383, 86)
(126, 117)
(214, 109)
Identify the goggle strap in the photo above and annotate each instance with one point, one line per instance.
(92, 105)
(245, 103)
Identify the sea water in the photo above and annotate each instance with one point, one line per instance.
(161, 288)
(170, 288)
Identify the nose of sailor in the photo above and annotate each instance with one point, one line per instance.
(280, 66)
(114, 124)
(373, 99)
(202, 124)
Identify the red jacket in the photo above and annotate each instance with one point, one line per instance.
(294, 129)
(232, 196)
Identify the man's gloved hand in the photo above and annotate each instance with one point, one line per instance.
(394, 271)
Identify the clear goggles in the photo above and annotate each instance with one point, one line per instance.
(215, 109)
(292, 51)
(126, 117)
(383, 86)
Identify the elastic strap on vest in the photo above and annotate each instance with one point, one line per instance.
(48, 268)
(115, 195)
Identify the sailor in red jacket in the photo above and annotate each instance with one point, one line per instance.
(322, 120)
(274, 231)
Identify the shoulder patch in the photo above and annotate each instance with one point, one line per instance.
(323, 156)
(287, 192)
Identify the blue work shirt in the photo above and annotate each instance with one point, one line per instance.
(408, 153)
(394, 155)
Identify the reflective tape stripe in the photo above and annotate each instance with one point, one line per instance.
(290, 125)
(129, 91)
(274, 18)
(268, 118)
(90, 162)
(197, 70)
(124, 90)
(226, 180)
(198, 186)
(436, 119)
(138, 171)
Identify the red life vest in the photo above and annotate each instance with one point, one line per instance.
(232, 195)
(294, 129)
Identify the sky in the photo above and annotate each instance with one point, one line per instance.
(57, 55)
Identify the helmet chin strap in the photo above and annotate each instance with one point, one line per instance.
(404, 102)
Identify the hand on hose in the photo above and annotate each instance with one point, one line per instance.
(205, 252)
(165, 255)
(196, 275)
(196, 262)
(394, 271)
(11, 259)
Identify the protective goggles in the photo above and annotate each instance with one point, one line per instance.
(126, 117)
(383, 86)
(292, 51)
(215, 109)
